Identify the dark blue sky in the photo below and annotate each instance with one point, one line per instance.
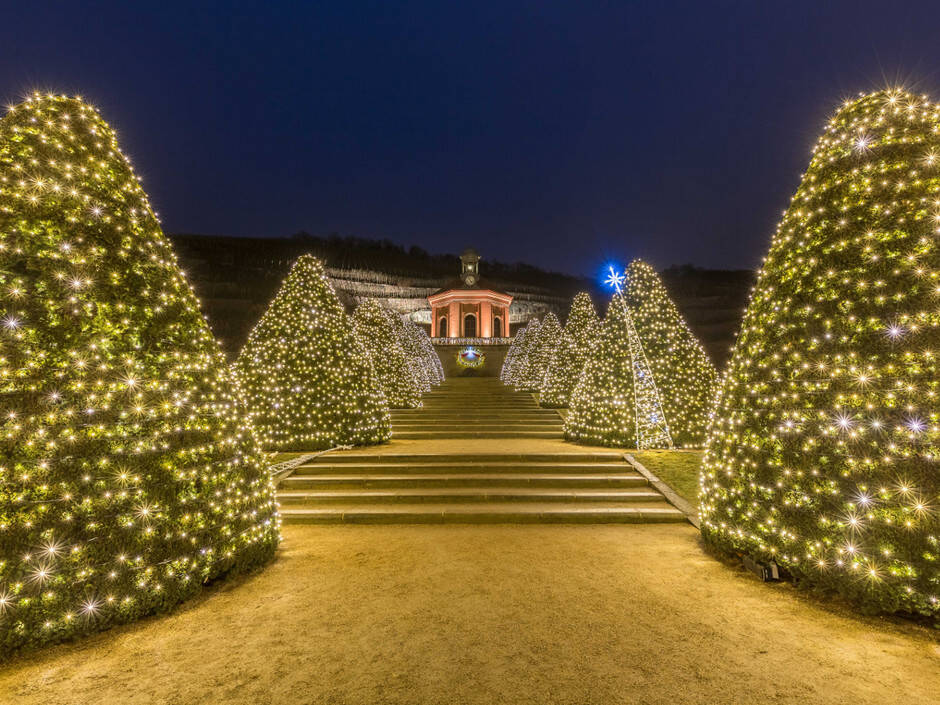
(559, 133)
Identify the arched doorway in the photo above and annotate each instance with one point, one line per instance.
(442, 327)
(497, 327)
(470, 326)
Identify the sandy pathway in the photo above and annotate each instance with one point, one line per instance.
(490, 614)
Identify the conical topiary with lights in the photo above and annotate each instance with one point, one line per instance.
(686, 378)
(564, 368)
(434, 361)
(421, 345)
(409, 343)
(308, 382)
(129, 477)
(532, 374)
(505, 372)
(389, 362)
(527, 343)
(823, 456)
(603, 403)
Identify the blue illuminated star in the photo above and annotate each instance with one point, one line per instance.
(615, 280)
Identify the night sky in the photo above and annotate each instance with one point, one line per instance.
(563, 134)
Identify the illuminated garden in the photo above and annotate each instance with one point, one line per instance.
(336, 469)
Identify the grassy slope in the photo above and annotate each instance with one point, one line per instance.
(677, 468)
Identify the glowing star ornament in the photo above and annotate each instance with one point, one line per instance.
(307, 380)
(564, 368)
(130, 476)
(823, 455)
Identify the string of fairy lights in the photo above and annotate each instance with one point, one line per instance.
(130, 476)
(564, 368)
(308, 380)
(644, 379)
(823, 455)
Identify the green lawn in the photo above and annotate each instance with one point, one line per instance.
(677, 468)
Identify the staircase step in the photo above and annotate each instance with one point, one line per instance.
(426, 435)
(491, 468)
(481, 513)
(462, 479)
(373, 457)
(468, 494)
(553, 425)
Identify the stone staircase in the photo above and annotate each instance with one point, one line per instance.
(375, 487)
(476, 407)
(545, 482)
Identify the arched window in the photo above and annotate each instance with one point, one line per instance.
(442, 327)
(497, 327)
(470, 326)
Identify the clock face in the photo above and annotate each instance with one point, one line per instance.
(471, 279)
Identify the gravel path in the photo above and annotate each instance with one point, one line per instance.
(491, 614)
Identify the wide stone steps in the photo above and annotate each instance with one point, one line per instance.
(485, 493)
(461, 479)
(481, 485)
(495, 512)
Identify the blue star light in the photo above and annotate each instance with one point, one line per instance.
(615, 280)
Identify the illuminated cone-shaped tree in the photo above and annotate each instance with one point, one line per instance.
(823, 455)
(409, 343)
(564, 369)
(505, 371)
(129, 476)
(393, 374)
(427, 356)
(433, 359)
(616, 402)
(308, 382)
(686, 378)
(526, 344)
(540, 354)
(602, 403)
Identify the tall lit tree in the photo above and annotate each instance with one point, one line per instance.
(308, 382)
(823, 456)
(505, 372)
(603, 406)
(686, 378)
(526, 343)
(409, 343)
(393, 373)
(421, 345)
(532, 374)
(129, 477)
(564, 368)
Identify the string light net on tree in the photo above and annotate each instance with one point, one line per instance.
(389, 362)
(308, 381)
(425, 352)
(419, 368)
(824, 453)
(526, 344)
(603, 405)
(686, 378)
(432, 356)
(129, 476)
(540, 354)
(564, 368)
(505, 371)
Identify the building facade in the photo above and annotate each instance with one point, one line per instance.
(468, 308)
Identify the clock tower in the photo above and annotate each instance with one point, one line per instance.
(470, 267)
